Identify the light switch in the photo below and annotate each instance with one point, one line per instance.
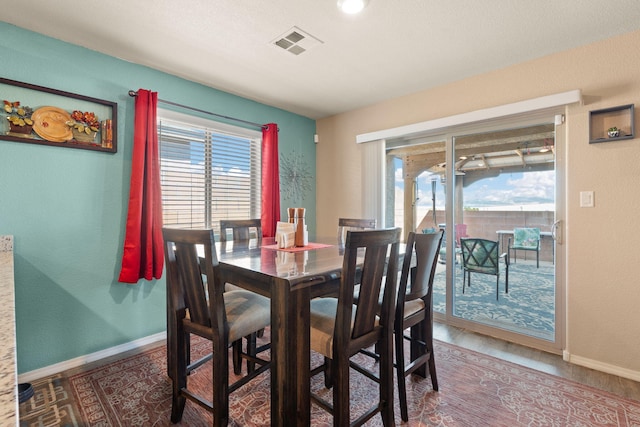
(586, 199)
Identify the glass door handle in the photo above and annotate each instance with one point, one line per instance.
(556, 231)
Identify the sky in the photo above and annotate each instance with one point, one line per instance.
(509, 191)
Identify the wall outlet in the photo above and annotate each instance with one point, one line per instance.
(586, 199)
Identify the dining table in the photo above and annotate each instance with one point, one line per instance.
(290, 278)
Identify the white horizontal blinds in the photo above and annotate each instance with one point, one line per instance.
(231, 174)
(207, 174)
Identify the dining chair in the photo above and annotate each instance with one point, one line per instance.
(340, 328)
(414, 310)
(525, 239)
(204, 308)
(241, 232)
(353, 224)
(240, 229)
(482, 256)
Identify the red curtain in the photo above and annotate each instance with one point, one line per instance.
(143, 255)
(270, 180)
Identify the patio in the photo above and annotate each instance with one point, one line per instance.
(528, 308)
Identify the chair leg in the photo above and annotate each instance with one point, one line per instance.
(221, 385)
(341, 395)
(178, 402)
(328, 373)
(400, 373)
(506, 280)
(251, 351)
(432, 365)
(464, 280)
(178, 374)
(386, 381)
(237, 359)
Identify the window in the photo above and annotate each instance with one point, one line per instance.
(209, 171)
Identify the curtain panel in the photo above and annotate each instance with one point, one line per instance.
(270, 180)
(143, 256)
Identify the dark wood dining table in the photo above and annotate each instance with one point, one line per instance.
(290, 280)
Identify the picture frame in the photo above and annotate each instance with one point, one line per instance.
(40, 115)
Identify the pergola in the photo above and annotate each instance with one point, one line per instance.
(479, 156)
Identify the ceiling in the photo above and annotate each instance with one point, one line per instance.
(393, 48)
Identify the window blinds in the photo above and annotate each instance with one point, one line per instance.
(207, 174)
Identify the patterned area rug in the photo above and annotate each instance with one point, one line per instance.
(52, 405)
(475, 390)
(529, 306)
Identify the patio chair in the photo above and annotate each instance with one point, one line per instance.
(482, 256)
(525, 239)
(459, 233)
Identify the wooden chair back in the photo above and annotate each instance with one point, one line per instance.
(241, 229)
(377, 246)
(416, 279)
(353, 224)
(186, 274)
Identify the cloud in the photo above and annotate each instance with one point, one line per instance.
(516, 189)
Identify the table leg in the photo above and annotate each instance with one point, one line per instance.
(290, 354)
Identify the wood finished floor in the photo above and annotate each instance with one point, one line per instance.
(535, 359)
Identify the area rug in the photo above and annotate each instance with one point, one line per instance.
(52, 404)
(475, 390)
(529, 306)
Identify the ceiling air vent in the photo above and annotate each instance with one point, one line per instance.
(296, 41)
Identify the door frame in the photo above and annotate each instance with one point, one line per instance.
(556, 346)
(374, 173)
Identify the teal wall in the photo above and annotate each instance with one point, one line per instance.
(66, 208)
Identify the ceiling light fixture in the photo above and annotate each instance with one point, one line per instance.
(352, 7)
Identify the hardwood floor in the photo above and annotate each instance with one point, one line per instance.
(535, 359)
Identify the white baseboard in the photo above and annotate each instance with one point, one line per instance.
(88, 358)
(602, 367)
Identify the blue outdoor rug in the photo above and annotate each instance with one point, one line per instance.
(528, 308)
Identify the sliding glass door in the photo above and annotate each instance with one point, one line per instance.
(504, 214)
(486, 187)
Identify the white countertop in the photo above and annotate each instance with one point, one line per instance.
(8, 368)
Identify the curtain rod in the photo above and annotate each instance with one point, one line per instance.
(133, 93)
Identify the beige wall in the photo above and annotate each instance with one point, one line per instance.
(602, 277)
